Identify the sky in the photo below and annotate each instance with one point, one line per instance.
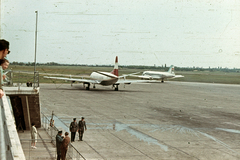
(184, 33)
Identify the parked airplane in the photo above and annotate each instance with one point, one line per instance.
(102, 78)
(158, 75)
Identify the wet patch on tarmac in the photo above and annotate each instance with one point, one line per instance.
(139, 135)
(229, 130)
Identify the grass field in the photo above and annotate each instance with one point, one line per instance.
(189, 76)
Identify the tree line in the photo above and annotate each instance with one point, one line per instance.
(163, 67)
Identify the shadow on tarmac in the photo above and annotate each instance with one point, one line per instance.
(81, 88)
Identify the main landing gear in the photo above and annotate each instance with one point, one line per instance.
(88, 86)
(115, 86)
(72, 83)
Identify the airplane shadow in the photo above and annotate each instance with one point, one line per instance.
(80, 88)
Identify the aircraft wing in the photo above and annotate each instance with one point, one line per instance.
(75, 79)
(66, 75)
(124, 81)
(54, 74)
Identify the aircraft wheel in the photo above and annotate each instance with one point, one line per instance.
(88, 87)
(116, 88)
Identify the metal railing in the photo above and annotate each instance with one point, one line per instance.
(51, 131)
(31, 79)
(72, 152)
(8, 78)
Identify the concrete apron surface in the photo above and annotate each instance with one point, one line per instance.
(171, 120)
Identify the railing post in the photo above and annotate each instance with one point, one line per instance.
(51, 130)
(18, 81)
(29, 116)
(11, 78)
(36, 79)
(45, 121)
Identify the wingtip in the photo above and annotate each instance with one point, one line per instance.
(116, 60)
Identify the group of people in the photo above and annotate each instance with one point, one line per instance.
(77, 127)
(63, 141)
(62, 145)
(4, 51)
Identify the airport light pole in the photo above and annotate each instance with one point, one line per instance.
(34, 85)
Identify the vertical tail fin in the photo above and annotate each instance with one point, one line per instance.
(171, 69)
(115, 69)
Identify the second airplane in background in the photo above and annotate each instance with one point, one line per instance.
(159, 75)
(102, 78)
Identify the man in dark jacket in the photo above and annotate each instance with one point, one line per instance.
(81, 126)
(73, 129)
(59, 140)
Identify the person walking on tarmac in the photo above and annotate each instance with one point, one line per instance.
(81, 126)
(73, 129)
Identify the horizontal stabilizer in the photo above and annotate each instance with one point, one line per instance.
(131, 74)
(178, 76)
(121, 81)
(141, 76)
(106, 74)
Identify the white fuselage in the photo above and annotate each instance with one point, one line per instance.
(158, 75)
(105, 78)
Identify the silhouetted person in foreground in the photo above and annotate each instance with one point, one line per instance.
(4, 63)
(4, 50)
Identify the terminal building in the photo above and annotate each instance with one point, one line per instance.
(20, 107)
